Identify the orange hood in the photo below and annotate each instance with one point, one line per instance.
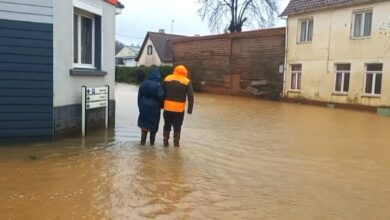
(181, 70)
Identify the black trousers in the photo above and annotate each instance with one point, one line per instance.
(174, 119)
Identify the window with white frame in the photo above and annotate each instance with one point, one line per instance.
(306, 30)
(296, 72)
(84, 40)
(343, 72)
(362, 24)
(373, 79)
(150, 50)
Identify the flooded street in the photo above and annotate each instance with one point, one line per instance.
(240, 158)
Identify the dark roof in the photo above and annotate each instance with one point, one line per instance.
(299, 6)
(162, 44)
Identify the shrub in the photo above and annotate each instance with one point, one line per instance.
(129, 74)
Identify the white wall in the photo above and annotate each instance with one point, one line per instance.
(130, 62)
(149, 60)
(67, 88)
(40, 11)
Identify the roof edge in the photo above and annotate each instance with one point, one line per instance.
(248, 34)
(116, 3)
(349, 4)
(141, 50)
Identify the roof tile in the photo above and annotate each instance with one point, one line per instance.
(299, 6)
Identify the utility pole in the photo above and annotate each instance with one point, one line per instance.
(173, 20)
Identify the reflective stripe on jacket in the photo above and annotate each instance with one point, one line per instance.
(177, 89)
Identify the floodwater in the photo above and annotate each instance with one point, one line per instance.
(240, 158)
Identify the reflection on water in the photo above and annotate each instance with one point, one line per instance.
(240, 159)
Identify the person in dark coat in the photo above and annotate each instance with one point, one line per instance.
(150, 102)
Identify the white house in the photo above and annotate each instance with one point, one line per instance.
(156, 49)
(126, 56)
(49, 50)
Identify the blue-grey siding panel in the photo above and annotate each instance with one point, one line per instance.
(26, 109)
(14, 75)
(22, 50)
(26, 81)
(21, 42)
(11, 117)
(39, 11)
(42, 68)
(25, 92)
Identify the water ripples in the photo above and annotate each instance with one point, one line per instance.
(239, 159)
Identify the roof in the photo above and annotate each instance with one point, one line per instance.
(127, 52)
(162, 44)
(300, 6)
(116, 3)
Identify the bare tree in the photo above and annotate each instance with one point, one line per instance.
(218, 13)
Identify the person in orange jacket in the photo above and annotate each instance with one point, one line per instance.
(177, 88)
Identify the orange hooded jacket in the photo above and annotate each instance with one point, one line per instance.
(177, 89)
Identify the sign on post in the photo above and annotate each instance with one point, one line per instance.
(93, 98)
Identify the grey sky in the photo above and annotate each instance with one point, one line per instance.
(140, 16)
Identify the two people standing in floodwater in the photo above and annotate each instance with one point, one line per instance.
(171, 96)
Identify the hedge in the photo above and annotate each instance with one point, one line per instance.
(129, 74)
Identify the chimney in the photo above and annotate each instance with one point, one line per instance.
(161, 31)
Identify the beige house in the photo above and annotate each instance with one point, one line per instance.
(338, 52)
(156, 50)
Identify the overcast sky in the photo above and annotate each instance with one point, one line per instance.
(140, 16)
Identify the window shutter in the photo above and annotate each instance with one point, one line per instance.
(75, 39)
(98, 42)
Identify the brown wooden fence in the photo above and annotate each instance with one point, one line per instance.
(228, 63)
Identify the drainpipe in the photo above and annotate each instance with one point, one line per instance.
(329, 41)
(285, 60)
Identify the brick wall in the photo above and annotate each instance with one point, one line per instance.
(214, 60)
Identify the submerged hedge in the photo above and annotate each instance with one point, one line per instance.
(129, 74)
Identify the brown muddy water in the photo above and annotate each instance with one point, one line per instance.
(240, 158)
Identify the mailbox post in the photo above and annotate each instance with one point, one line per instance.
(93, 98)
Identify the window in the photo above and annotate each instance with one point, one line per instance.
(296, 71)
(373, 79)
(362, 23)
(306, 30)
(84, 40)
(150, 50)
(343, 72)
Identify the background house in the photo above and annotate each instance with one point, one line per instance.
(49, 49)
(126, 56)
(338, 51)
(156, 49)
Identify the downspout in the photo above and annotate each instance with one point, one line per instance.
(285, 60)
(329, 41)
